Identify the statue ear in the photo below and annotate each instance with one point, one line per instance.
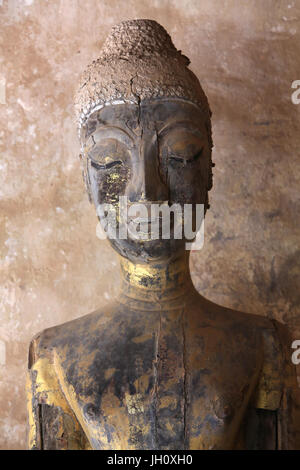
(85, 175)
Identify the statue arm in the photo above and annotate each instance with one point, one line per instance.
(52, 424)
(274, 421)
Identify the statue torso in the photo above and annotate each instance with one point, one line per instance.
(181, 377)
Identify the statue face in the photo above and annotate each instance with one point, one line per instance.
(156, 153)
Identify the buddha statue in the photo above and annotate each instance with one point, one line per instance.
(160, 367)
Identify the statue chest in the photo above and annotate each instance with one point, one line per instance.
(179, 384)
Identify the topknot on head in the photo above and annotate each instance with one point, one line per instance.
(138, 38)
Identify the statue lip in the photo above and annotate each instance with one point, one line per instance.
(144, 220)
(146, 225)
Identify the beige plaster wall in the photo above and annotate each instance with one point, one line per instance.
(52, 266)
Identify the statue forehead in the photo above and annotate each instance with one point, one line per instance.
(152, 116)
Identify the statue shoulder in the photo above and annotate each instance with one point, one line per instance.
(43, 345)
(260, 336)
(71, 334)
(40, 347)
(229, 318)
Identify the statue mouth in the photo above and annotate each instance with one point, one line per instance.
(150, 228)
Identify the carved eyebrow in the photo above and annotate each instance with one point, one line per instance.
(190, 127)
(117, 132)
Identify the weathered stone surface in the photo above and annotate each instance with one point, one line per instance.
(53, 268)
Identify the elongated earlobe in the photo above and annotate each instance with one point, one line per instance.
(85, 175)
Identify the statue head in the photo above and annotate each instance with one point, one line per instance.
(145, 133)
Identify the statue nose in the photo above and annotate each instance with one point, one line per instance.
(147, 189)
(147, 184)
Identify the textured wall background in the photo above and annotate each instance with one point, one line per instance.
(52, 266)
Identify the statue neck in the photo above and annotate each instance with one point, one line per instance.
(155, 284)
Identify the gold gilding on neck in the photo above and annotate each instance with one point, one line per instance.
(161, 282)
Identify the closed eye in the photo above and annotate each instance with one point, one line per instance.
(106, 166)
(185, 160)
